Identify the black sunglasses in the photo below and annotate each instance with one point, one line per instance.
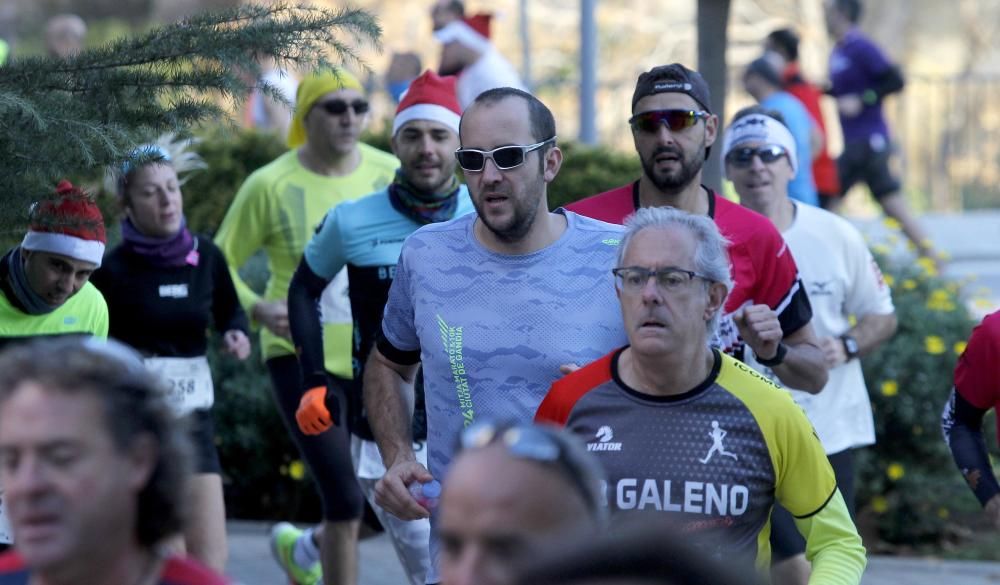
(506, 157)
(675, 120)
(742, 157)
(339, 107)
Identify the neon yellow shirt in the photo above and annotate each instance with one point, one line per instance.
(277, 209)
(84, 313)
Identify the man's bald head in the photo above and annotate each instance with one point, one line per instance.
(64, 34)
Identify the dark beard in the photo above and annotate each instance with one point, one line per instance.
(675, 182)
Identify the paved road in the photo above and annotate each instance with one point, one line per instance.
(250, 563)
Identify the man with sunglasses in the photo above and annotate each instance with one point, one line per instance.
(366, 236)
(842, 280)
(690, 433)
(512, 491)
(491, 304)
(673, 129)
(277, 209)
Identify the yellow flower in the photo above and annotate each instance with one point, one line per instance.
(880, 505)
(909, 284)
(928, 265)
(943, 513)
(940, 300)
(891, 224)
(934, 345)
(959, 347)
(890, 388)
(297, 470)
(983, 304)
(889, 280)
(895, 471)
(852, 320)
(881, 249)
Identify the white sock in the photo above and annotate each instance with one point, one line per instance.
(306, 553)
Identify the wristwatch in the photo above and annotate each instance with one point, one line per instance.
(779, 357)
(850, 346)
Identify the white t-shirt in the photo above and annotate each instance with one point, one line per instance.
(841, 279)
(489, 71)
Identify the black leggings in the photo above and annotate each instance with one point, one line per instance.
(786, 540)
(328, 455)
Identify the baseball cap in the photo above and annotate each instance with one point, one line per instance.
(673, 78)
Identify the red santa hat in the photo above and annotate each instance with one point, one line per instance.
(69, 224)
(480, 23)
(429, 97)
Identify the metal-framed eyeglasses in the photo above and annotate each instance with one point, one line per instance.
(632, 279)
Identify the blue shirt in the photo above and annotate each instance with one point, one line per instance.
(802, 187)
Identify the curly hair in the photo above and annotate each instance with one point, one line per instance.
(134, 405)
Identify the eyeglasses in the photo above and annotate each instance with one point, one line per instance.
(535, 443)
(742, 157)
(339, 107)
(505, 158)
(675, 120)
(633, 279)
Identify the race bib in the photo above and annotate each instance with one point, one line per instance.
(6, 534)
(335, 304)
(188, 382)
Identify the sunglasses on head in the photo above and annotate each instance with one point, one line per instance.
(742, 157)
(535, 443)
(675, 120)
(506, 157)
(339, 107)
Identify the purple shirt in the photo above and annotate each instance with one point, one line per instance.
(855, 63)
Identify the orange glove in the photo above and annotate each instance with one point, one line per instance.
(312, 415)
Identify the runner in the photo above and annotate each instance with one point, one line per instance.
(693, 435)
(94, 465)
(366, 236)
(976, 391)
(843, 282)
(164, 286)
(44, 281)
(277, 210)
(673, 129)
(491, 304)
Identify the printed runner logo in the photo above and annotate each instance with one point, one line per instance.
(452, 339)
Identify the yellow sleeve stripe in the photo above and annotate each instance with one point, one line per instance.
(804, 480)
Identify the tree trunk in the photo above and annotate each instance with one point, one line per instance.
(713, 18)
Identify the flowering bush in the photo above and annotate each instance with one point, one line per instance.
(908, 484)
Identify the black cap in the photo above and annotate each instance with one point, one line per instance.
(673, 78)
(761, 66)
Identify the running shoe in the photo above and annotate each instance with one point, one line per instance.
(283, 539)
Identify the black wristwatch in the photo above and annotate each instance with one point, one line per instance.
(850, 346)
(779, 357)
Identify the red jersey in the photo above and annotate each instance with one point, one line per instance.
(176, 571)
(977, 373)
(824, 168)
(763, 269)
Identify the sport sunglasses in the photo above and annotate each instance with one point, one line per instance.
(675, 120)
(742, 157)
(339, 107)
(505, 158)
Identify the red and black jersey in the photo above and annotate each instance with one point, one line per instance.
(977, 373)
(176, 571)
(763, 269)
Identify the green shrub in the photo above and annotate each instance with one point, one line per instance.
(589, 170)
(908, 481)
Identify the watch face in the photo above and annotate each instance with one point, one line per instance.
(851, 345)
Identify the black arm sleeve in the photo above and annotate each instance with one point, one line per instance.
(889, 82)
(304, 293)
(797, 312)
(227, 312)
(961, 423)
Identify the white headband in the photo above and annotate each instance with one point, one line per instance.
(763, 129)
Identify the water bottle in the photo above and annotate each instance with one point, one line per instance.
(426, 494)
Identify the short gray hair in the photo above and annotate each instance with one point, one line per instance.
(711, 258)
